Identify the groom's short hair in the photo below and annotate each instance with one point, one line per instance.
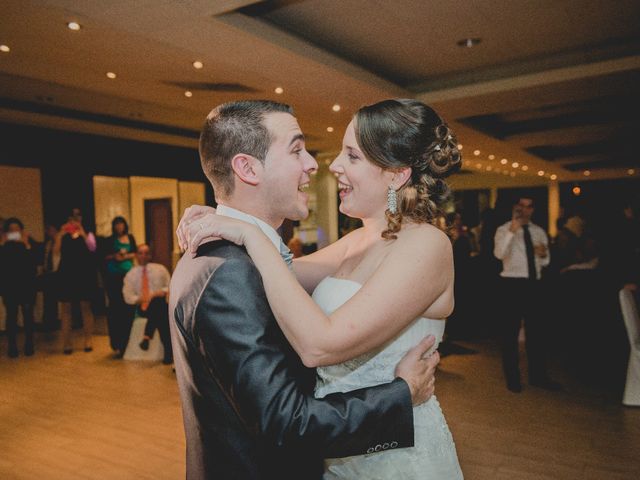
(230, 129)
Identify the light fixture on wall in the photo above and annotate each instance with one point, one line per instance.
(75, 26)
(468, 42)
(198, 65)
(279, 90)
(5, 48)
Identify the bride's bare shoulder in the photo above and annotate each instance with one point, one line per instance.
(422, 234)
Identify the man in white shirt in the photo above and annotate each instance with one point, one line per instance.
(147, 286)
(523, 248)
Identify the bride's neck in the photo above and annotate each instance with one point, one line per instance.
(373, 227)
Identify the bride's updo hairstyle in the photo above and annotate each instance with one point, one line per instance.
(395, 134)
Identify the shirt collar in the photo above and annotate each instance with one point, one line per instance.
(267, 229)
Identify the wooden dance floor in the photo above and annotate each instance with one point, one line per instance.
(87, 416)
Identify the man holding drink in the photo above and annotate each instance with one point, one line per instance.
(523, 248)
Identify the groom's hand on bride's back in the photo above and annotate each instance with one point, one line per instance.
(418, 370)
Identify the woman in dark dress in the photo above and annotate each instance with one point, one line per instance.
(76, 277)
(119, 251)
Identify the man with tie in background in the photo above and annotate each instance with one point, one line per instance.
(147, 285)
(523, 248)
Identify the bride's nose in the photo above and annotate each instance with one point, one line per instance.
(336, 166)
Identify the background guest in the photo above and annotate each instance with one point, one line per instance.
(147, 286)
(48, 280)
(18, 283)
(119, 252)
(523, 248)
(76, 277)
(295, 245)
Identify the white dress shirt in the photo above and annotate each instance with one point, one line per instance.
(267, 229)
(510, 248)
(159, 279)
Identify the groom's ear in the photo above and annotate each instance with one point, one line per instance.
(247, 168)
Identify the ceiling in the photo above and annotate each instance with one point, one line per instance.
(552, 85)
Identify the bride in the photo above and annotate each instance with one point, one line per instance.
(380, 289)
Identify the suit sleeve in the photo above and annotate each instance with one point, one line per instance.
(240, 337)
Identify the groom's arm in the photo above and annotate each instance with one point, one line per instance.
(263, 375)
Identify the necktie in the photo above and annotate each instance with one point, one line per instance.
(145, 289)
(531, 261)
(286, 254)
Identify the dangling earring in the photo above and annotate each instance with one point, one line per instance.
(392, 200)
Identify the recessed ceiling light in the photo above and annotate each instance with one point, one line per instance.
(111, 75)
(336, 108)
(513, 174)
(5, 48)
(488, 168)
(505, 172)
(587, 173)
(515, 164)
(478, 165)
(576, 190)
(459, 146)
(631, 171)
(525, 168)
(75, 26)
(503, 161)
(197, 64)
(279, 90)
(553, 176)
(540, 173)
(188, 94)
(329, 129)
(467, 162)
(491, 157)
(476, 152)
(468, 42)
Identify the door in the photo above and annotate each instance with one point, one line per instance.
(158, 224)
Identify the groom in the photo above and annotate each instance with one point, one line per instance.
(247, 399)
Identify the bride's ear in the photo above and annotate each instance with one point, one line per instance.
(247, 168)
(401, 176)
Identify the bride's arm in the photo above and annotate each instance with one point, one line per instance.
(415, 274)
(198, 220)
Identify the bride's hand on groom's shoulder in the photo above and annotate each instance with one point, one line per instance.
(201, 225)
(186, 225)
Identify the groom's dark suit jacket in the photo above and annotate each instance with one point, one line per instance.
(247, 399)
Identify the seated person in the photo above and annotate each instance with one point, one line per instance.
(147, 286)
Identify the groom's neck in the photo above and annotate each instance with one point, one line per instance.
(252, 207)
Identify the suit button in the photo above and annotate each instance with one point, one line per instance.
(378, 448)
(385, 446)
(370, 450)
(394, 444)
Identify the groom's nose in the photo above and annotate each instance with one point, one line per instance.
(310, 165)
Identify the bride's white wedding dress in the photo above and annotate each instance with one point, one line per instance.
(434, 454)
